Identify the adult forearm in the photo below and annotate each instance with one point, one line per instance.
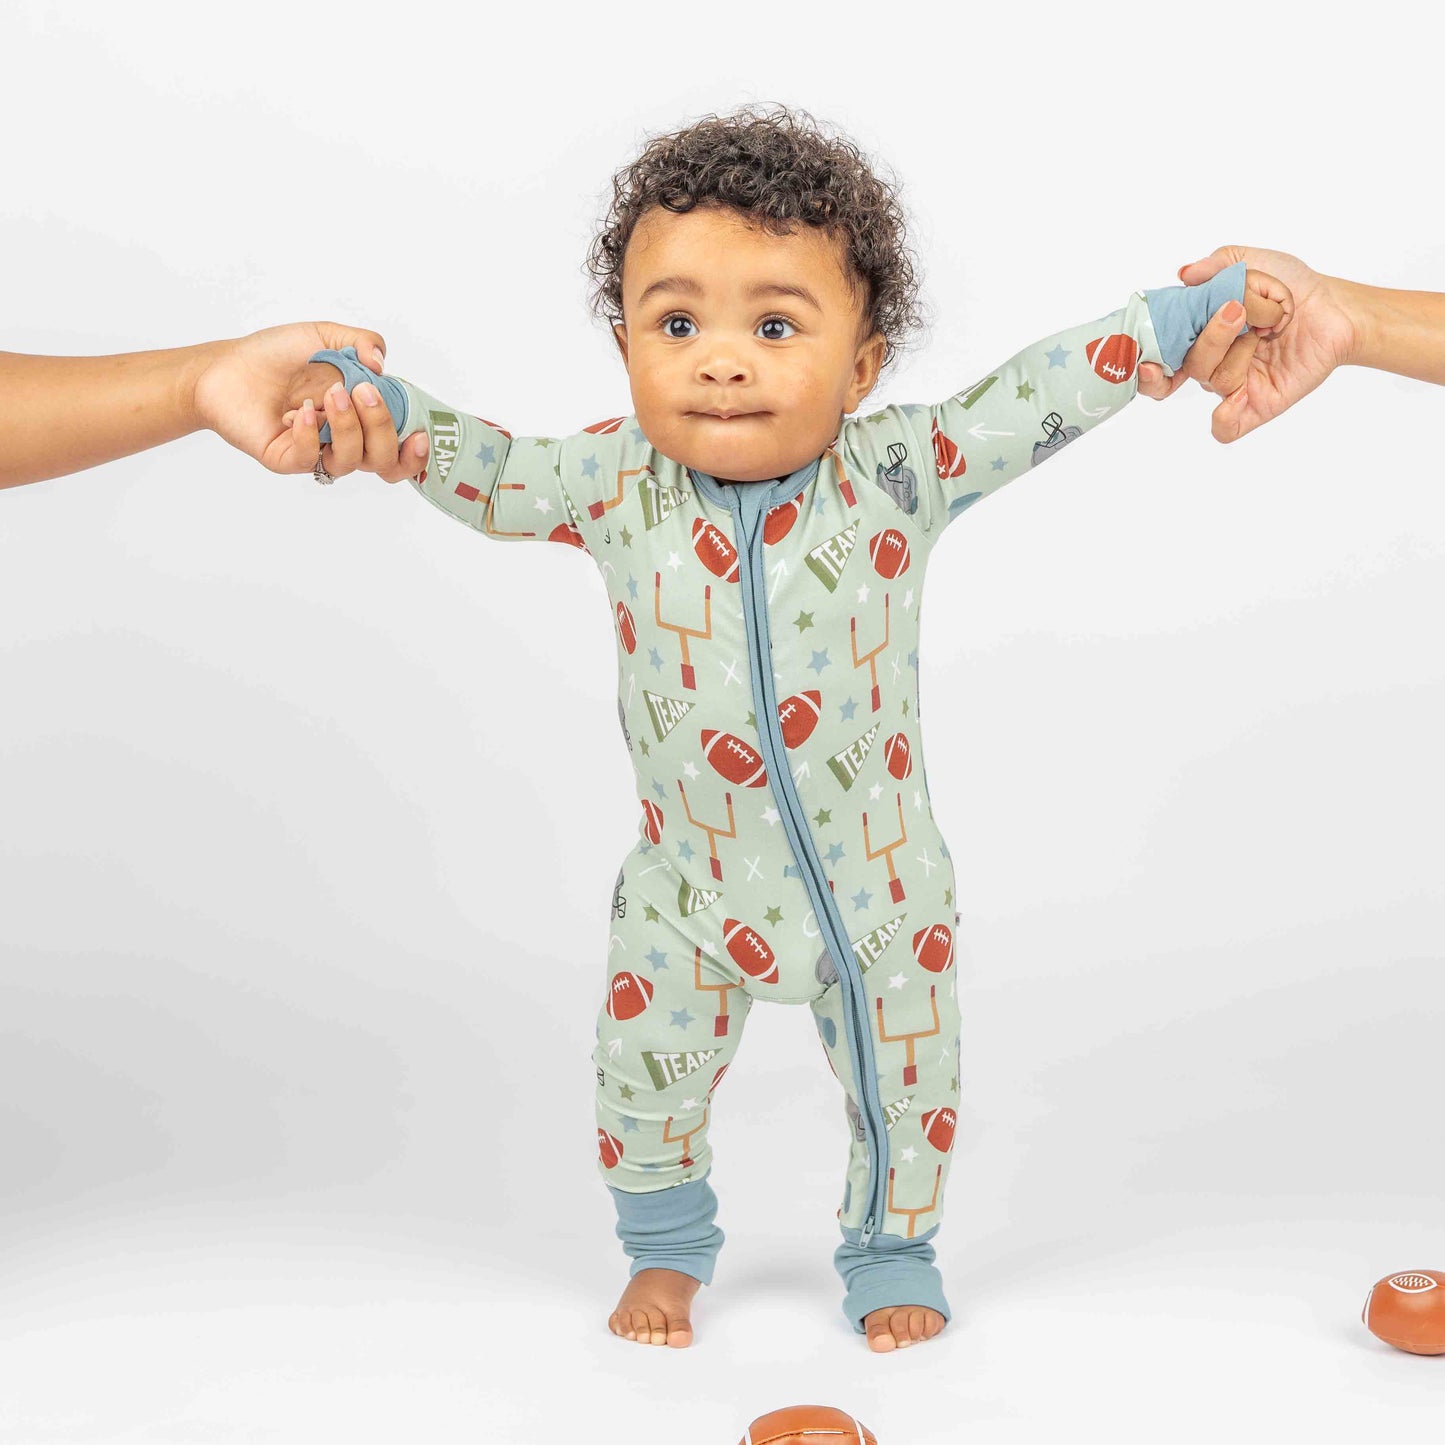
(1399, 331)
(62, 414)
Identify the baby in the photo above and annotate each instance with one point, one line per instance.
(763, 553)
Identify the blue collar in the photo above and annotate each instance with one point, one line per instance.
(779, 490)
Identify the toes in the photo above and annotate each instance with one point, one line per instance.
(679, 1333)
(657, 1326)
(880, 1337)
(932, 1324)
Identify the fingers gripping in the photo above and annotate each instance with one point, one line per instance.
(358, 430)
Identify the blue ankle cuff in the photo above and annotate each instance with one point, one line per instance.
(891, 1271)
(670, 1229)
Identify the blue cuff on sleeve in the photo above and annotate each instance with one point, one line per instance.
(1180, 313)
(353, 374)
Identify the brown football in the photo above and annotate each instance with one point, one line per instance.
(1407, 1310)
(808, 1425)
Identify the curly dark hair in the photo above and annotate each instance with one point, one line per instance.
(775, 172)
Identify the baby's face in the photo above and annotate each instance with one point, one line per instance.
(795, 363)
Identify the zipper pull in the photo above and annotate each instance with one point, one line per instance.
(867, 1233)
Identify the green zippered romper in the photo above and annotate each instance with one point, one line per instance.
(767, 650)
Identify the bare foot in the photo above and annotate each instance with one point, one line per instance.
(898, 1326)
(653, 1309)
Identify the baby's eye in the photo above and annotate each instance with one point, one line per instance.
(668, 321)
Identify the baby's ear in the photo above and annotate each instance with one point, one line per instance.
(619, 335)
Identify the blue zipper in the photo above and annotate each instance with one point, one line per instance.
(855, 1014)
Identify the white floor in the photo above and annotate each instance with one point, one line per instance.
(192, 1326)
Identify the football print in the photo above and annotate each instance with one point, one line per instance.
(566, 532)
(933, 947)
(1114, 357)
(714, 550)
(626, 628)
(938, 1128)
(798, 716)
(628, 995)
(946, 456)
(779, 520)
(651, 821)
(898, 755)
(609, 1150)
(750, 951)
(733, 759)
(888, 552)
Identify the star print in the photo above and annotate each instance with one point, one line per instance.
(681, 1018)
(803, 621)
(909, 1154)
(905, 707)
(860, 899)
(953, 1085)
(863, 593)
(845, 711)
(659, 789)
(543, 504)
(631, 581)
(998, 464)
(752, 721)
(656, 958)
(655, 658)
(874, 791)
(684, 851)
(673, 561)
(625, 1092)
(834, 853)
(1056, 356)
(642, 743)
(823, 815)
(820, 660)
(769, 816)
(487, 454)
(690, 768)
(908, 599)
(898, 980)
(774, 914)
(1025, 392)
(629, 1124)
(589, 467)
(652, 914)
(627, 542)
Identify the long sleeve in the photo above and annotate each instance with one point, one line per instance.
(938, 460)
(515, 488)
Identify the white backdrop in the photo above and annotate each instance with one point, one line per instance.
(305, 791)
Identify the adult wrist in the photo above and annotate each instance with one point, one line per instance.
(191, 363)
(1360, 305)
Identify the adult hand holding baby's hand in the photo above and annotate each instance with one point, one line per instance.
(1262, 373)
(252, 392)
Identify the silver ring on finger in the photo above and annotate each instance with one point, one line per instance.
(321, 474)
